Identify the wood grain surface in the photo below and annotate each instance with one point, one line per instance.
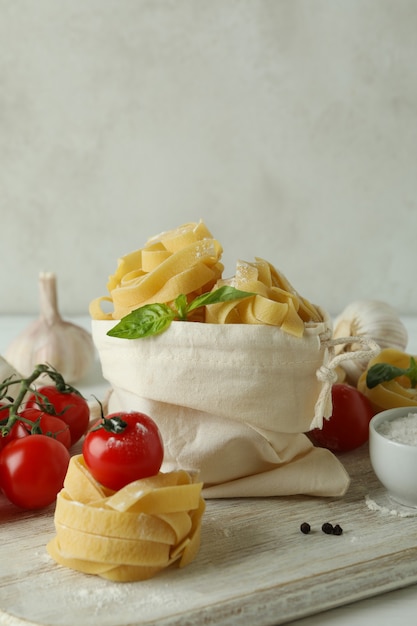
(254, 565)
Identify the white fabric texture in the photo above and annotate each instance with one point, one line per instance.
(232, 402)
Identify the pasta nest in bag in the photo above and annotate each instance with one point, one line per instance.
(187, 261)
(130, 534)
(183, 261)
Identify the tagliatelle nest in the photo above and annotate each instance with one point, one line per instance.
(187, 260)
(131, 534)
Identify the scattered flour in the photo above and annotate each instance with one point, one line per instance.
(381, 501)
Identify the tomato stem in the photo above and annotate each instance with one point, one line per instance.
(113, 424)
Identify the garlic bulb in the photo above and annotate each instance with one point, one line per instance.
(65, 346)
(375, 319)
(7, 371)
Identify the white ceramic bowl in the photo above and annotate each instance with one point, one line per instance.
(394, 463)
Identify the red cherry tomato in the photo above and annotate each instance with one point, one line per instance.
(69, 406)
(118, 458)
(17, 431)
(348, 427)
(47, 425)
(4, 416)
(32, 470)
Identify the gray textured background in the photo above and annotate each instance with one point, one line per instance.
(289, 127)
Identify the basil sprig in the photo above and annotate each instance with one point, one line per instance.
(153, 319)
(383, 372)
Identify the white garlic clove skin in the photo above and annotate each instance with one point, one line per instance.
(372, 318)
(67, 347)
(8, 371)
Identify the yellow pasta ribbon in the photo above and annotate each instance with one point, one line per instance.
(276, 302)
(131, 534)
(392, 393)
(185, 261)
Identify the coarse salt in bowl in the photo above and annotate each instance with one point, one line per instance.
(393, 453)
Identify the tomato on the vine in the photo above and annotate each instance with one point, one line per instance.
(68, 405)
(348, 427)
(4, 416)
(17, 431)
(123, 447)
(46, 424)
(32, 470)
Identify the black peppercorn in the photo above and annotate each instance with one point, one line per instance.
(337, 530)
(327, 528)
(305, 528)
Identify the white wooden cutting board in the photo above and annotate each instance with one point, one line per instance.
(254, 565)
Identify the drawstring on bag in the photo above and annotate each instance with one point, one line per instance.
(327, 373)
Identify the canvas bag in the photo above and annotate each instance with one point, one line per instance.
(233, 402)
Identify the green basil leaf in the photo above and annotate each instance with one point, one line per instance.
(146, 321)
(181, 305)
(382, 372)
(153, 319)
(223, 294)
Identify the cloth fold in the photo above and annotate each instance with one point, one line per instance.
(232, 402)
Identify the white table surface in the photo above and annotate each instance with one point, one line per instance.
(398, 606)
